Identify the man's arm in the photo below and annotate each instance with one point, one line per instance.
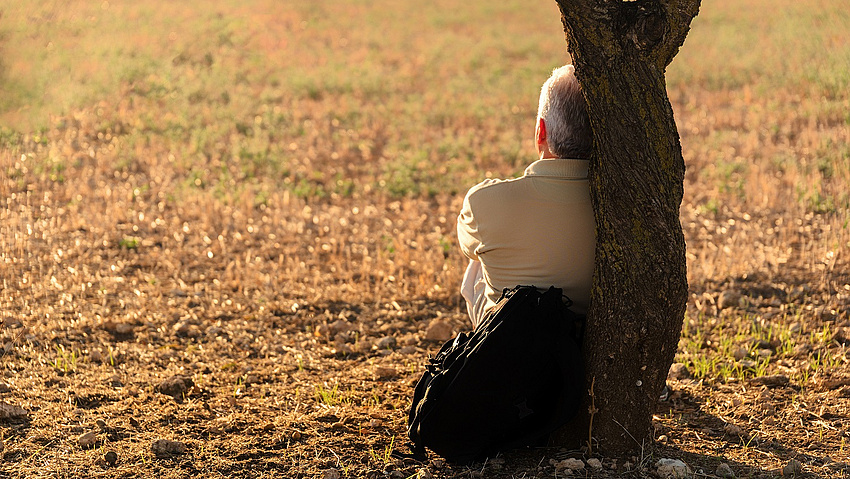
(468, 234)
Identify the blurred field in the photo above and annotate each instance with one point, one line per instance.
(261, 196)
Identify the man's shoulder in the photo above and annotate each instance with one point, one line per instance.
(492, 187)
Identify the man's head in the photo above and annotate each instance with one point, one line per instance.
(563, 128)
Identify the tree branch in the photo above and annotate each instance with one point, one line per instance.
(680, 13)
(655, 29)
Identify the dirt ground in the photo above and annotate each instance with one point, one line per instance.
(283, 339)
(232, 247)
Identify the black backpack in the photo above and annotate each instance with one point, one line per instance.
(510, 383)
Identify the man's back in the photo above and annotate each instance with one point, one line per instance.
(534, 230)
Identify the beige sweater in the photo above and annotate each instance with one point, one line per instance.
(534, 230)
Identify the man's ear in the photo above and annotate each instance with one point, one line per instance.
(541, 133)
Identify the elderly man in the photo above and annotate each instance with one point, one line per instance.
(537, 229)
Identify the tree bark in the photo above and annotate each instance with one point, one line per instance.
(620, 50)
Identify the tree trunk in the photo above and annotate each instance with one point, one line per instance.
(620, 50)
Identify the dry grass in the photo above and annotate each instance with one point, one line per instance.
(262, 198)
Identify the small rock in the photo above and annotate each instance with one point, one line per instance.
(111, 458)
(331, 474)
(385, 373)
(802, 349)
(408, 350)
(825, 314)
(794, 468)
(182, 328)
(842, 335)
(4, 388)
(118, 328)
(765, 344)
(732, 429)
(13, 413)
(672, 469)
(747, 363)
(728, 298)
(424, 473)
(387, 342)
(678, 371)
(115, 380)
(723, 470)
(87, 440)
(175, 386)
(438, 330)
(101, 424)
(795, 327)
(96, 356)
(340, 326)
(775, 380)
(594, 463)
(164, 448)
(571, 464)
(740, 353)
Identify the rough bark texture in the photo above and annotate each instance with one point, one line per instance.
(620, 50)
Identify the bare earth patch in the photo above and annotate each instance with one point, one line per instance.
(227, 241)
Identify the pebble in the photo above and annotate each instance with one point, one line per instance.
(424, 474)
(163, 448)
(724, 471)
(387, 342)
(12, 413)
(775, 380)
(802, 349)
(678, 371)
(733, 430)
(340, 326)
(118, 328)
(175, 386)
(96, 356)
(186, 329)
(728, 298)
(438, 330)
(87, 440)
(331, 474)
(793, 468)
(594, 463)
(385, 372)
(672, 469)
(740, 353)
(111, 458)
(571, 464)
(4, 388)
(101, 424)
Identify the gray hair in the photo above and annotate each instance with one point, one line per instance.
(563, 108)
